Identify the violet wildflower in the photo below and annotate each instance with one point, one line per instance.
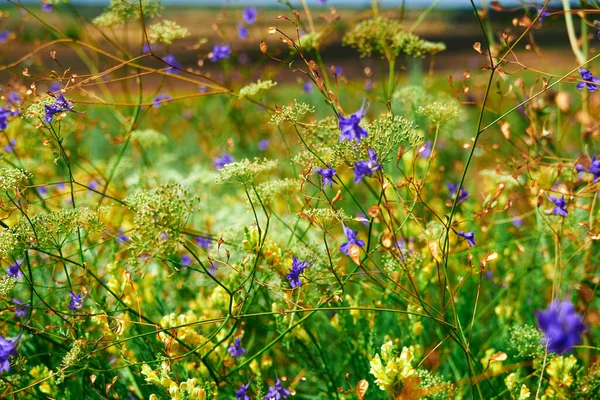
(542, 14)
(469, 236)
(337, 71)
(163, 236)
(222, 161)
(242, 31)
(212, 268)
(249, 14)
(561, 325)
(13, 98)
(46, 7)
(328, 174)
(122, 238)
(185, 260)
(362, 218)
(42, 190)
(277, 392)
(4, 114)
(14, 270)
(240, 394)
(349, 125)
(8, 348)
(220, 53)
(263, 144)
(236, 350)
(307, 87)
(454, 190)
(204, 242)
(21, 311)
(9, 148)
(560, 205)
(76, 301)
(202, 89)
(594, 168)
(174, 65)
(298, 268)
(93, 184)
(158, 100)
(366, 167)
(351, 236)
(590, 80)
(4, 36)
(60, 105)
(426, 150)
(54, 87)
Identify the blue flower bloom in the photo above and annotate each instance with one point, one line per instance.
(362, 218)
(60, 105)
(4, 114)
(185, 260)
(203, 241)
(54, 87)
(277, 392)
(220, 52)
(427, 150)
(349, 125)
(263, 144)
(174, 65)
(298, 268)
(328, 174)
(42, 190)
(76, 301)
(337, 71)
(21, 311)
(542, 14)
(454, 190)
(4, 36)
(159, 100)
(249, 14)
(594, 168)
(469, 236)
(240, 394)
(14, 271)
(307, 87)
(10, 147)
(366, 167)
(46, 8)
(351, 236)
(242, 31)
(590, 80)
(560, 205)
(122, 238)
(561, 325)
(13, 98)
(8, 348)
(222, 161)
(236, 350)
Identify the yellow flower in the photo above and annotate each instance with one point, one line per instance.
(378, 371)
(150, 375)
(560, 369)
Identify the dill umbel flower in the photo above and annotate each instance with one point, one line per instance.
(298, 268)
(76, 301)
(328, 174)
(236, 350)
(351, 236)
(469, 236)
(590, 80)
(454, 190)
(240, 394)
(277, 392)
(366, 167)
(222, 161)
(351, 130)
(560, 205)
(561, 325)
(220, 53)
(249, 15)
(8, 348)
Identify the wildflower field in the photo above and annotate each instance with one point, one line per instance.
(299, 200)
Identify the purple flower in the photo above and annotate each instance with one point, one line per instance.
(46, 8)
(13, 98)
(41, 190)
(366, 167)
(307, 87)
(263, 144)
(454, 189)
(594, 168)
(220, 52)
(337, 71)
(242, 31)
(122, 238)
(212, 268)
(469, 236)
(9, 148)
(249, 14)
(93, 184)
(4, 36)
(202, 241)
(328, 174)
(60, 105)
(349, 125)
(76, 301)
(55, 87)
(560, 205)
(561, 325)
(14, 271)
(185, 260)
(277, 392)
(427, 150)
(8, 348)
(174, 65)
(163, 236)
(590, 80)
(542, 14)
(240, 394)
(4, 114)
(322, 1)
(236, 350)
(351, 236)
(363, 219)
(158, 100)
(298, 268)
(21, 312)
(517, 222)
(222, 161)
(369, 84)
